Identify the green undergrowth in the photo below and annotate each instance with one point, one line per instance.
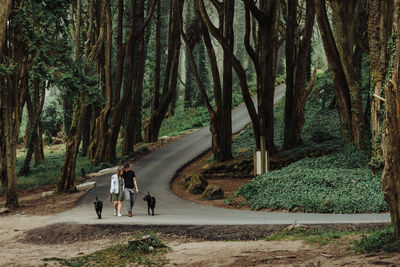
(185, 120)
(315, 236)
(121, 255)
(378, 241)
(337, 182)
(48, 171)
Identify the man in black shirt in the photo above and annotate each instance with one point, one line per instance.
(130, 184)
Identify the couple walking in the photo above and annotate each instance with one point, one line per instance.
(123, 186)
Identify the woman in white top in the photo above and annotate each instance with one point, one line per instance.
(117, 191)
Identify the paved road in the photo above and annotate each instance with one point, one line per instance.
(155, 172)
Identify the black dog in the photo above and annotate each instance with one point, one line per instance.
(98, 205)
(151, 203)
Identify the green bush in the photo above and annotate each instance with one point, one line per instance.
(379, 241)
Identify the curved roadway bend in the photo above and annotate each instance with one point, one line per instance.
(154, 173)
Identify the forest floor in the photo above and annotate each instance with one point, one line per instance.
(25, 242)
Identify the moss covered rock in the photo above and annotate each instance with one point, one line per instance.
(196, 184)
(213, 192)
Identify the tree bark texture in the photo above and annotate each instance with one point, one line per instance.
(133, 105)
(12, 94)
(5, 10)
(391, 139)
(66, 183)
(35, 103)
(379, 31)
(339, 51)
(346, 15)
(297, 54)
(220, 118)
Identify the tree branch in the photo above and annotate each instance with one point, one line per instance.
(257, 13)
(252, 53)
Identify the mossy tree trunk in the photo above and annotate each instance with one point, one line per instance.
(66, 183)
(5, 10)
(391, 139)
(379, 31)
(13, 91)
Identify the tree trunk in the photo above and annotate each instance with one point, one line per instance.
(225, 125)
(35, 141)
(66, 183)
(14, 99)
(335, 66)
(86, 131)
(157, 72)
(391, 139)
(296, 61)
(5, 10)
(379, 31)
(13, 93)
(346, 15)
(133, 106)
(171, 75)
(209, 26)
(104, 64)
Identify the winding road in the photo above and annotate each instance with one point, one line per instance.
(155, 172)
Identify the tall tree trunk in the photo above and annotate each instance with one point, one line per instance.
(133, 106)
(157, 72)
(103, 55)
(335, 66)
(66, 183)
(220, 118)
(86, 131)
(391, 139)
(297, 54)
(209, 26)
(225, 127)
(5, 10)
(36, 103)
(12, 94)
(379, 31)
(171, 75)
(346, 16)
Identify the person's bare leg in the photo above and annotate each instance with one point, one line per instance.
(119, 208)
(115, 207)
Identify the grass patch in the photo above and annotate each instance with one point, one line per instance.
(311, 236)
(382, 240)
(121, 255)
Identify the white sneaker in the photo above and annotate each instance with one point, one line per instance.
(115, 212)
(119, 215)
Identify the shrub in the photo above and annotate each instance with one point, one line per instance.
(379, 241)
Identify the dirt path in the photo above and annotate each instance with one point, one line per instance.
(25, 243)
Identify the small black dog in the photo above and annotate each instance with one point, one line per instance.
(151, 203)
(98, 205)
